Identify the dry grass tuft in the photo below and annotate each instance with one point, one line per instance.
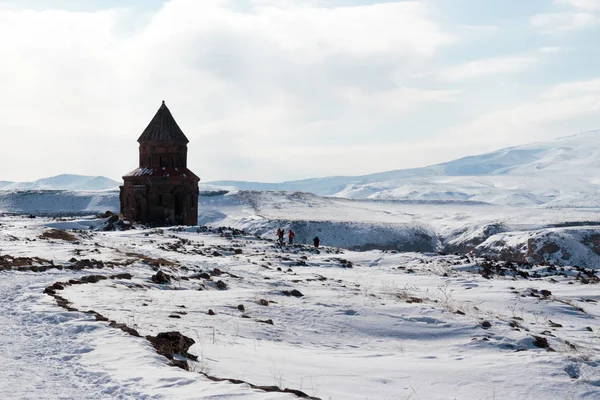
(59, 234)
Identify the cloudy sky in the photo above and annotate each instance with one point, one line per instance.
(271, 90)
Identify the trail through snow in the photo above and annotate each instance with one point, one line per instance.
(40, 345)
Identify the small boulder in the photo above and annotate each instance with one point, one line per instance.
(221, 285)
(541, 342)
(161, 277)
(241, 307)
(171, 343)
(263, 302)
(486, 324)
(211, 312)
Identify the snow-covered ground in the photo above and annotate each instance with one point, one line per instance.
(369, 325)
(63, 182)
(564, 172)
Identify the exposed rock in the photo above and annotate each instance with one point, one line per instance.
(93, 278)
(161, 277)
(170, 343)
(486, 324)
(241, 307)
(124, 275)
(211, 312)
(221, 285)
(263, 302)
(554, 324)
(541, 342)
(106, 214)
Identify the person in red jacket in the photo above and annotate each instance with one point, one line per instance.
(280, 233)
(291, 236)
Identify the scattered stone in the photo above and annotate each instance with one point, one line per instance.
(263, 302)
(113, 219)
(106, 214)
(217, 272)
(545, 292)
(124, 275)
(238, 251)
(589, 328)
(241, 307)
(174, 316)
(486, 324)
(541, 342)
(93, 278)
(211, 312)
(554, 324)
(124, 328)
(171, 343)
(161, 277)
(221, 285)
(460, 312)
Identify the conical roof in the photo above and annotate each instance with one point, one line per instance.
(163, 127)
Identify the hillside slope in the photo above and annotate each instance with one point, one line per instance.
(564, 171)
(63, 182)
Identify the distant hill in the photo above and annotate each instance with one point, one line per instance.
(564, 171)
(63, 182)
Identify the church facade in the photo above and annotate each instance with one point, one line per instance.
(162, 190)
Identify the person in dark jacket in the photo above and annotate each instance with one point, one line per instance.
(316, 242)
(280, 234)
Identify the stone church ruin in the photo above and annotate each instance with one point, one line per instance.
(162, 190)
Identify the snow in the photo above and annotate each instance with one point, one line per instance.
(562, 172)
(353, 335)
(63, 182)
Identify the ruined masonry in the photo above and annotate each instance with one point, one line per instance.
(161, 191)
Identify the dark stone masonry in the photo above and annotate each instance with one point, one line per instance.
(162, 190)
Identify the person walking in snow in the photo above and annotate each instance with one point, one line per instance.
(280, 234)
(316, 242)
(291, 236)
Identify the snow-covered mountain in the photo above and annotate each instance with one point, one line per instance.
(564, 171)
(63, 182)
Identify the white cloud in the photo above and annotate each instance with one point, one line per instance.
(571, 89)
(537, 119)
(486, 67)
(563, 22)
(588, 5)
(79, 87)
